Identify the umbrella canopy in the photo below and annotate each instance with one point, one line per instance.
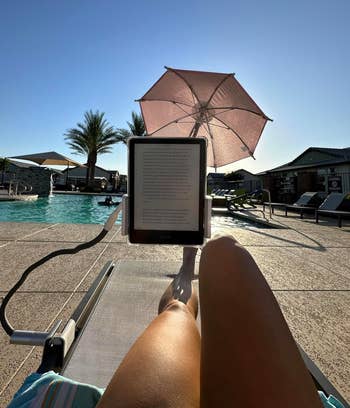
(49, 158)
(212, 105)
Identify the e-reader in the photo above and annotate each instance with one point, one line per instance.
(166, 189)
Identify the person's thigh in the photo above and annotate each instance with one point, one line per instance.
(248, 355)
(162, 367)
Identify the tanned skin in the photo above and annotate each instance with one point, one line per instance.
(246, 356)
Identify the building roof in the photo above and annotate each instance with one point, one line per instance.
(97, 167)
(327, 157)
(240, 170)
(21, 164)
(48, 158)
(216, 175)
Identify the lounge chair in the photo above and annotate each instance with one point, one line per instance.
(112, 315)
(331, 204)
(223, 192)
(305, 200)
(308, 202)
(109, 318)
(338, 205)
(242, 200)
(221, 196)
(118, 317)
(245, 202)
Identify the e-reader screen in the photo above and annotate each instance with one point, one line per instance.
(167, 190)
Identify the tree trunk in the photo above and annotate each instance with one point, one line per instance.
(87, 172)
(92, 164)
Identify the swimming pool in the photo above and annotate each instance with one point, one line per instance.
(81, 209)
(58, 208)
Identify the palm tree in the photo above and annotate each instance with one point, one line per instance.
(94, 136)
(136, 128)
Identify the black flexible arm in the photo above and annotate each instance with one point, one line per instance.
(69, 251)
(3, 319)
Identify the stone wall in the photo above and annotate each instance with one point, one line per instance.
(37, 177)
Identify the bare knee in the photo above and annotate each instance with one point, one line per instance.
(224, 260)
(176, 306)
(224, 248)
(220, 242)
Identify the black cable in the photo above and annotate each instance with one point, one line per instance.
(69, 251)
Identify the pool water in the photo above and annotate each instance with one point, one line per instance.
(83, 209)
(59, 208)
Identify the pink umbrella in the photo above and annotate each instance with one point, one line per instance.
(212, 105)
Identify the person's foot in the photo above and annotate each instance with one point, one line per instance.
(181, 288)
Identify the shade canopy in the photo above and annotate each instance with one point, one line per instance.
(212, 105)
(49, 158)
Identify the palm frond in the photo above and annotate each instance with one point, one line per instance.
(92, 135)
(136, 128)
(137, 125)
(123, 135)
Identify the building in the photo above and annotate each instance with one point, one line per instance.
(35, 179)
(123, 183)
(319, 169)
(243, 179)
(215, 180)
(107, 179)
(13, 168)
(239, 179)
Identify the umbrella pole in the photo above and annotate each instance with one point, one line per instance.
(195, 129)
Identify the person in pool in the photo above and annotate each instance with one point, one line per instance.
(108, 200)
(245, 356)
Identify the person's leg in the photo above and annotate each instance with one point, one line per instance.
(248, 355)
(162, 368)
(181, 287)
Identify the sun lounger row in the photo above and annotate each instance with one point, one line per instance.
(222, 192)
(335, 204)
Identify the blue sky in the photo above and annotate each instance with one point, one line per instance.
(59, 59)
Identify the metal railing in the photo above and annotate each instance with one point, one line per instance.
(235, 203)
(17, 188)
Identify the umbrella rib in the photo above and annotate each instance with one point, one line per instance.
(220, 126)
(167, 124)
(184, 117)
(174, 121)
(229, 108)
(189, 86)
(163, 100)
(263, 114)
(159, 79)
(217, 87)
(212, 142)
(180, 107)
(239, 137)
(185, 122)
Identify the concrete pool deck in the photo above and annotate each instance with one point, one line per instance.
(307, 266)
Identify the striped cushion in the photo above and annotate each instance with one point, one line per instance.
(50, 390)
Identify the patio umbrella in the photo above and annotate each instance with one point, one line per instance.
(213, 105)
(50, 158)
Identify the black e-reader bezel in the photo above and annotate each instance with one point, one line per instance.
(164, 236)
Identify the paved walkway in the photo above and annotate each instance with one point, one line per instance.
(307, 266)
